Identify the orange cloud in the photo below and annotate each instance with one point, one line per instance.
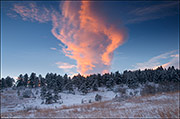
(89, 39)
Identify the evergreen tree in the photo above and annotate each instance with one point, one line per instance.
(25, 80)
(49, 98)
(48, 80)
(69, 87)
(95, 85)
(36, 82)
(41, 80)
(43, 92)
(3, 82)
(9, 81)
(109, 83)
(32, 80)
(84, 89)
(20, 81)
(56, 97)
(65, 79)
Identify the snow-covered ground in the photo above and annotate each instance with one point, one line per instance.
(160, 105)
(10, 101)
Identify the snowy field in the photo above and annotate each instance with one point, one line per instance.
(160, 105)
(10, 101)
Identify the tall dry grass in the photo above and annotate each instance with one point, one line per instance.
(140, 107)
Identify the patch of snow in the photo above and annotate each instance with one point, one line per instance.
(159, 97)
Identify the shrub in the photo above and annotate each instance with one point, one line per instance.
(98, 97)
(148, 89)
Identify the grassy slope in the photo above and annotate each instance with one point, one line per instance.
(164, 105)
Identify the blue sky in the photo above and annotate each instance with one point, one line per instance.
(28, 45)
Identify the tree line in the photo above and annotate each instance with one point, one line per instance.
(92, 82)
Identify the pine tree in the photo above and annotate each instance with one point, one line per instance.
(84, 89)
(65, 79)
(36, 82)
(41, 80)
(48, 80)
(25, 80)
(20, 81)
(43, 92)
(4, 85)
(32, 80)
(109, 83)
(95, 85)
(60, 83)
(49, 98)
(9, 81)
(56, 97)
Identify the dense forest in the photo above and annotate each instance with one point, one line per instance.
(52, 83)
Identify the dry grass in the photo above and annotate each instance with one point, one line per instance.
(168, 113)
(164, 108)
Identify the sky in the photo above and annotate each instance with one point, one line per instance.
(88, 37)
